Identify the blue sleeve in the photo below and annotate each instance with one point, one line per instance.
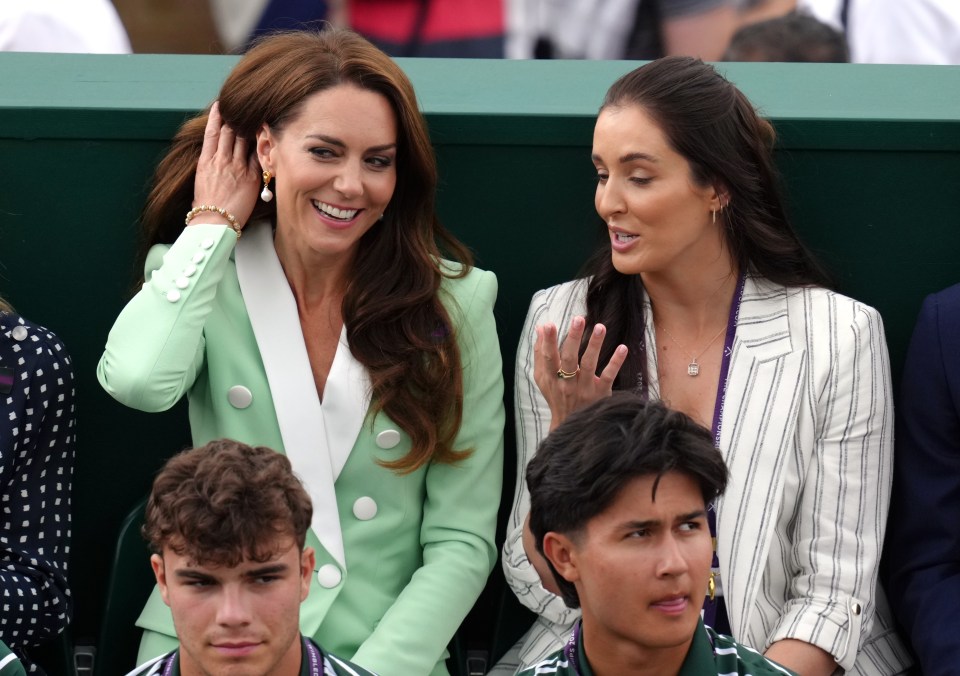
(923, 543)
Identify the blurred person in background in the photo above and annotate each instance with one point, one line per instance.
(69, 26)
(430, 28)
(618, 29)
(794, 37)
(894, 31)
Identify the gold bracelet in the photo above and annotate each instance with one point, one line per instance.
(231, 219)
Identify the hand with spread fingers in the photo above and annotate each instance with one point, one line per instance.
(228, 176)
(567, 380)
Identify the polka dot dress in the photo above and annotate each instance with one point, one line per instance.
(37, 444)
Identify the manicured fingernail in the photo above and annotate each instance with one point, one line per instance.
(598, 330)
(578, 322)
(621, 349)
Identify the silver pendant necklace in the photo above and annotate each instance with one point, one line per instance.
(693, 368)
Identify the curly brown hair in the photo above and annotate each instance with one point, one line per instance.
(226, 501)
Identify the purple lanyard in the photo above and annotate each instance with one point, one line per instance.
(710, 605)
(313, 655)
(571, 648)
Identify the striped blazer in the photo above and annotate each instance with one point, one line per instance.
(808, 437)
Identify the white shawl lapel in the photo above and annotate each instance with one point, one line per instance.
(316, 438)
(759, 422)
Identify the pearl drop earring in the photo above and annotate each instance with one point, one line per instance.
(266, 195)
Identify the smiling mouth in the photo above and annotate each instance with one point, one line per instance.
(624, 237)
(335, 213)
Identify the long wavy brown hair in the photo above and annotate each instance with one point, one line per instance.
(710, 122)
(397, 326)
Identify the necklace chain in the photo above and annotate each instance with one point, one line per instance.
(693, 368)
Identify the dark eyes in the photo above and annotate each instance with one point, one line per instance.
(636, 180)
(380, 161)
(374, 161)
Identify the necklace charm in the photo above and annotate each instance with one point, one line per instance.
(693, 368)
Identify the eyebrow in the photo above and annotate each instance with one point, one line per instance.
(628, 158)
(267, 570)
(256, 572)
(334, 141)
(192, 575)
(650, 523)
(635, 157)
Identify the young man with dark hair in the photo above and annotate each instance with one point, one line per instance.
(619, 494)
(227, 524)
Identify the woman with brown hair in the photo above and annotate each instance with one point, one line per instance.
(333, 331)
(704, 297)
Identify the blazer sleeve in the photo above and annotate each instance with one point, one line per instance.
(841, 515)
(155, 348)
(557, 305)
(460, 511)
(923, 546)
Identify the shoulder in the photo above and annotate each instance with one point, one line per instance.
(153, 666)
(736, 658)
(10, 664)
(20, 329)
(555, 663)
(814, 310)
(336, 666)
(22, 336)
(942, 310)
(475, 288)
(560, 302)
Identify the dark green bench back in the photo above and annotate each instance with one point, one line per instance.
(871, 157)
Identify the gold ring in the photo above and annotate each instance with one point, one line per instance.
(564, 375)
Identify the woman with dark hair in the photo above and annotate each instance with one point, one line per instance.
(332, 331)
(706, 298)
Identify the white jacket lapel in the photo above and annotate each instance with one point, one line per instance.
(758, 426)
(276, 325)
(346, 398)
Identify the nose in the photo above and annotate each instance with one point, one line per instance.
(672, 560)
(349, 180)
(608, 200)
(233, 610)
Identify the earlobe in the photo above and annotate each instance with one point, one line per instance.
(562, 553)
(159, 572)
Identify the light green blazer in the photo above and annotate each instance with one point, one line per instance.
(400, 559)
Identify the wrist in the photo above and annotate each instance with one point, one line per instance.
(214, 210)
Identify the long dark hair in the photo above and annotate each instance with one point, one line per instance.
(397, 326)
(708, 121)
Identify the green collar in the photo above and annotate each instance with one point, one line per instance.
(304, 661)
(699, 659)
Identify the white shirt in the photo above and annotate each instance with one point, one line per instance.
(896, 31)
(71, 26)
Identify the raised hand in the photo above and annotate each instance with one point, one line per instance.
(227, 176)
(567, 381)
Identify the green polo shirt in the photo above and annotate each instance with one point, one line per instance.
(331, 665)
(10, 664)
(710, 654)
